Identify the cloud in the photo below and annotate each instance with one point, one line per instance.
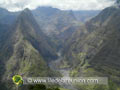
(15, 5)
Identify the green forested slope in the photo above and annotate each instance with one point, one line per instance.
(25, 50)
(96, 53)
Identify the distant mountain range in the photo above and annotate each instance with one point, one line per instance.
(46, 15)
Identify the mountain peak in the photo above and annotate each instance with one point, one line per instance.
(26, 12)
(26, 15)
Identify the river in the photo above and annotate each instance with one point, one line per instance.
(54, 65)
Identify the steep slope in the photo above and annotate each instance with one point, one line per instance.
(107, 58)
(85, 15)
(7, 17)
(28, 36)
(60, 24)
(87, 32)
(3, 31)
(36, 34)
(96, 53)
(25, 50)
(55, 23)
(53, 20)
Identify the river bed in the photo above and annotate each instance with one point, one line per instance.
(54, 65)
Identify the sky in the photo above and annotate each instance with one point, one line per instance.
(16, 5)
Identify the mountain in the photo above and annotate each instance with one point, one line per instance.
(53, 20)
(29, 42)
(96, 52)
(85, 15)
(60, 24)
(7, 17)
(25, 49)
(56, 24)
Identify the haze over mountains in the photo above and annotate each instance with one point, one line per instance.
(30, 40)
